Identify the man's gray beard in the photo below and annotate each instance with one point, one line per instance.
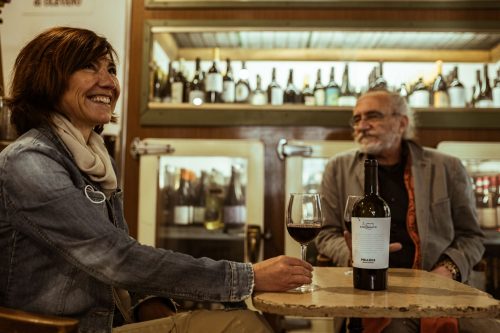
(371, 149)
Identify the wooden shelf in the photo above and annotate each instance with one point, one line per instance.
(161, 114)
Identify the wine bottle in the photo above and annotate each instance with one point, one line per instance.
(371, 223)
(213, 207)
(228, 85)
(258, 96)
(347, 97)
(274, 91)
(196, 87)
(234, 216)
(242, 89)
(488, 203)
(403, 91)
(307, 93)
(200, 200)
(379, 82)
(420, 97)
(456, 91)
(179, 84)
(213, 82)
(332, 90)
(476, 88)
(156, 84)
(291, 95)
(496, 91)
(168, 195)
(485, 99)
(440, 89)
(319, 90)
(183, 201)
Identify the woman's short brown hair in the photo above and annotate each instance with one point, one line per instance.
(42, 70)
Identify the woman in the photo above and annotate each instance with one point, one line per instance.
(65, 246)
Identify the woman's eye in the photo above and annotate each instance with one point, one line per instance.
(112, 70)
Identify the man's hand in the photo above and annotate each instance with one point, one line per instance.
(393, 247)
(281, 273)
(441, 270)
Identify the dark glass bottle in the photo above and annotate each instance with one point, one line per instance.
(213, 82)
(167, 85)
(379, 82)
(485, 99)
(456, 91)
(332, 90)
(347, 97)
(242, 90)
(228, 94)
(319, 90)
(259, 96)
(156, 84)
(496, 93)
(440, 96)
(179, 85)
(371, 223)
(183, 200)
(234, 215)
(196, 87)
(274, 91)
(420, 96)
(476, 88)
(307, 93)
(291, 95)
(200, 200)
(168, 195)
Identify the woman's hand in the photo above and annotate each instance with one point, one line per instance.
(281, 273)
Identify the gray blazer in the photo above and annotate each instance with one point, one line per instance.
(444, 201)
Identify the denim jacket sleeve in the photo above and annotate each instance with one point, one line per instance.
(41, 201)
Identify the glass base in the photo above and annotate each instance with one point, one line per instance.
(305, 288)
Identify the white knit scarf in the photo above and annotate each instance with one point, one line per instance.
(91, 157)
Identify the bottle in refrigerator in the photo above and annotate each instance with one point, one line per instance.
(213, 207)
(200, 200)
(319, 90)
(332, 90)
(274, 90)
(307, 93)
(347, 96)
(183, 200)
(259, 96)
(420, 97)
(496, 91)
(440, 98)
(456, 91)
(487, 210)
(485, 99)
(371, 224)
(196, 87)
(242, 89)
(291, 94)
(168, 194)
(234, 215)
(228, 85)
(213, 81)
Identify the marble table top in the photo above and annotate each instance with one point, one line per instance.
(410, 294)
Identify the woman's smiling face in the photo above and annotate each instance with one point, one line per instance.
(91, 96)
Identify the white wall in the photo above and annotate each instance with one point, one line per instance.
(24, 19)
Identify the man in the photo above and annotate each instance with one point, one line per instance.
(433, 217)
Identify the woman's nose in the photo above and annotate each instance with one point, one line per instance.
(108, 80)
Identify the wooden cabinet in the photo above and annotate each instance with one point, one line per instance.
(269, 124)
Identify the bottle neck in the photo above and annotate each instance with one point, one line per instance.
(371, 180)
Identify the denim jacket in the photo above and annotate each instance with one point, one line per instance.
(63, 248)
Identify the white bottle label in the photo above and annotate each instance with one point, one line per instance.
(182, 215)
(370, 242)
(347, 101)
(235, 214)
(177, 91)
(199, 215)
(229, 92)
(319, 97)
(309, 101)
(496, 97)
(457, 97)
(484, 103)
(332, 96)
(441, 99)
(276, 96)
(242, 93)
(214, 82)
(419, 99)
(258, 99)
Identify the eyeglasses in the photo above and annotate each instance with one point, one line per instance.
(371, 117)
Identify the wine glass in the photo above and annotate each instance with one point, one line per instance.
(303, 222)
(351, 200)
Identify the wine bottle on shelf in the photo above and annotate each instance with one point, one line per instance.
(228, 94)
(242, 89)
(213, 207)
(168, 194)
(456, 91)
(379, 82)
(157, 83)
(259, 96)
(332, 90)
(196, 87)
(347, 96)
(291, 94)
(200, 200)
(485, 99)
(420, 96)
(235, 215)
(307, 93)
(476, 88)
(440, 96)
(183, 200)
(213, 82)
(496, 91)
(274, 91)
(167, 85)
(403, 91)
(371, 224)
(179, 84)
(319, 90)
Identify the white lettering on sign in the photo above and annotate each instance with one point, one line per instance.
(60, 7)
(55, 3)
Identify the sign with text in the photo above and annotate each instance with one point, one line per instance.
(55, 7)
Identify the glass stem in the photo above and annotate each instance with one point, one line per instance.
(303, 249)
